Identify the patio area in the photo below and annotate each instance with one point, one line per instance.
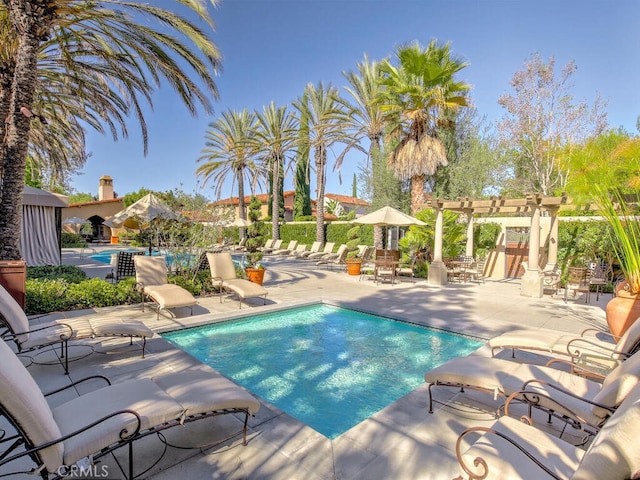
(401, 441)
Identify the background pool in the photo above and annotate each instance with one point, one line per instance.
(329, 367)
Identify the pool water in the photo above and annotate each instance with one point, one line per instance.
(329, 367)
(109, 256)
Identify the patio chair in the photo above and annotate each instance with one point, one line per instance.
(338, 259)
(584, 402)
(299, 250)
(33, 338)
(276, 245)
(124, 266)
(597, 279)
(585, 350)
(286, 251)
(328, 249)
(223, 276)
(577, 281)
(315, 248)
(512, 449)
(153, 284)
(101, 421)
(408, 269)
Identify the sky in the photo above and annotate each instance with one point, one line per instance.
(272, 48)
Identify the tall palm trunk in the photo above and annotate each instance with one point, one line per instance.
(275, 199)
(320, 157)
(417, 192)
(242, 209)
(31, 19)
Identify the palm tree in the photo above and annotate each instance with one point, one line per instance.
(328, 125)
(274, 137)
(368, 120)
(104, 64)
(229, 152)
(415, 98)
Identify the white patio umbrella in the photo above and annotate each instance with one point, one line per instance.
(77, 222)
(388, 216)
(141, 213)
(240, 222)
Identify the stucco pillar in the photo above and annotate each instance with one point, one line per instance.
(469, 248)
(437, 269)
(532, 280)
(552, 252)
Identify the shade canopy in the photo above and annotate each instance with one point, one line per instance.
(142, 212)
(388, 216)
(240, 222)
(75, 221)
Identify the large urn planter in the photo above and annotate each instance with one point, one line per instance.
(622, 311)
(255, 275)
(353, 266)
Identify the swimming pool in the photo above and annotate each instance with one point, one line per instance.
(329, 367)
(107, 256)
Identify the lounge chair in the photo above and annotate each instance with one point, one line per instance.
(275, 245)
(124, 266)
(512, 449)
(286, 251)
(223, 276)
(328, 249)
(99, 422)
(586, 402)
(31, 338)
(300, 249)
(315, 248)
(586, 350)
(153, 284)
(338, 259)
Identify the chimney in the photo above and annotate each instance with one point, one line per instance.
(105, 190)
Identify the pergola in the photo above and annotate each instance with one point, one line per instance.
(532, 205)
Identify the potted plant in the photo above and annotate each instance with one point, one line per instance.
(255, 240)
(353, 261)
(607, 173)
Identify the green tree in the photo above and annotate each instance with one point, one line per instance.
(542, 119)
(110, 64)
(416, 97)
(228, 153)
(421, 238)
(274, 137)
(328, 121)
(81, 197)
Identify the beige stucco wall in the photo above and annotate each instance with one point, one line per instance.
(103, 209)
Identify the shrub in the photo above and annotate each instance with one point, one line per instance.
(72, 240)
(70, 273)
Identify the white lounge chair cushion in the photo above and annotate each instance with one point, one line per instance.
(507, 462)
(118, 326)
(615, 452)
(150, 270)
(154, 406)
(629, 340)
(201, 391)
(221, 266)
(28, 406)
(84, 328)
(170, 296)
(245, 288)
(617, 384)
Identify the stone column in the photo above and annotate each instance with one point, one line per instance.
(532, 280)
(469, 248)
(552, 253)
(437, 269)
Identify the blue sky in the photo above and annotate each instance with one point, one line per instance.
(272, 48)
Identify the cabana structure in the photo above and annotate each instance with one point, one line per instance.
(528, 211)
(40, 239)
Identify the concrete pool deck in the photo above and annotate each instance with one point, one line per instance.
(402, 441)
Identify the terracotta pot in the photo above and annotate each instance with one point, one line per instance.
(622, 311)
(255, 275)
(353, 267)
